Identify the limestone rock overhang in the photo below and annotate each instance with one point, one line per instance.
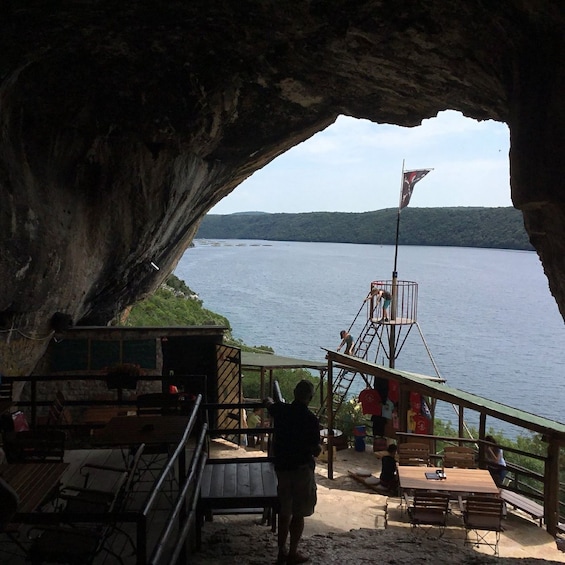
(122, 124)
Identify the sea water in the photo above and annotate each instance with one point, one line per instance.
(486, 315)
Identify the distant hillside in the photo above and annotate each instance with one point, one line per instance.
(501, 228)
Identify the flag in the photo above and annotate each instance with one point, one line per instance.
(409, 180)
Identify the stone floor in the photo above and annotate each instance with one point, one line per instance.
(346, 514)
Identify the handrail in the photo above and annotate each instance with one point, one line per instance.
(191, 515)
(171, 462)
(194, 476)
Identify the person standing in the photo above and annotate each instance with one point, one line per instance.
(496, 463)
(296, 443)
(347, 340)
(378, 294)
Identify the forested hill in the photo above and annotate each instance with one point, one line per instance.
(501, 228)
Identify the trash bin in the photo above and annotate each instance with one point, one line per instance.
(359, 434)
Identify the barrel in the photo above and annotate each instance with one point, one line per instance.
(360, 431)
(359, 443)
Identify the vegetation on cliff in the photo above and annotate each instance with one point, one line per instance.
(499, 228)
(173, 304)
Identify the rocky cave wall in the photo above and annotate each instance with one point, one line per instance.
(121, 124)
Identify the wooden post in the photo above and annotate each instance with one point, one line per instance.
(482, 430)
(551, 487)
(263, 395)
(460, 413)
(330, 412)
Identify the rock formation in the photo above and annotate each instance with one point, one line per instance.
(122, 123)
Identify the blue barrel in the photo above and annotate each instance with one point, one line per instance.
(359, 443)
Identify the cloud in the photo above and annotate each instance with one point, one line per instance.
(355, 165)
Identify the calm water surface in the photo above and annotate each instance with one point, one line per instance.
(487, 315)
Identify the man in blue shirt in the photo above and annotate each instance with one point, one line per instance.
(295, 445)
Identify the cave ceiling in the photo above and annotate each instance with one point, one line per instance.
(123, 123)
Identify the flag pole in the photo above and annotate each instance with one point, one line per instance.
(394, 273)
(392, 334)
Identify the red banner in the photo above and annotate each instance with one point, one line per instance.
(409, 180)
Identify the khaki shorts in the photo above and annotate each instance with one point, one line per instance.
(297, 491)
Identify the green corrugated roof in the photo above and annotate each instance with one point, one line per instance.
(455, 396)
(543, 424)
(269, 361)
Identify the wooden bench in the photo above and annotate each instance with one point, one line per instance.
(246, 485)
(525, 504)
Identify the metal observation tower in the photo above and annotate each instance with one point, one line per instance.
(380, 337)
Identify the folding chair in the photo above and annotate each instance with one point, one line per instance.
(429, 509)
(81, 544)
(482, 515)
(96, 500)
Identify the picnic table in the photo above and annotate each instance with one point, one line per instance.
(458, 481)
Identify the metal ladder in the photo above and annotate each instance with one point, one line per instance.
(345, 377)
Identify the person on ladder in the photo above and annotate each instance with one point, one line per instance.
(347, 340)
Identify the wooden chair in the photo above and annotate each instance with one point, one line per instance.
(413, 453)
(429, 509)
(481, 516)
(56, 414)
(462, 457)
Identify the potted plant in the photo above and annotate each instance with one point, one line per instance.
(347, 418)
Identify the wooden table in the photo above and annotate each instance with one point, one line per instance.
(125, 431)
(103, 414)
(460, 481)
(33, 482)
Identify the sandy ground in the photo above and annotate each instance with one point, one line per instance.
(353, 524)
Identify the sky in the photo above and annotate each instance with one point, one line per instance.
(356, 166)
